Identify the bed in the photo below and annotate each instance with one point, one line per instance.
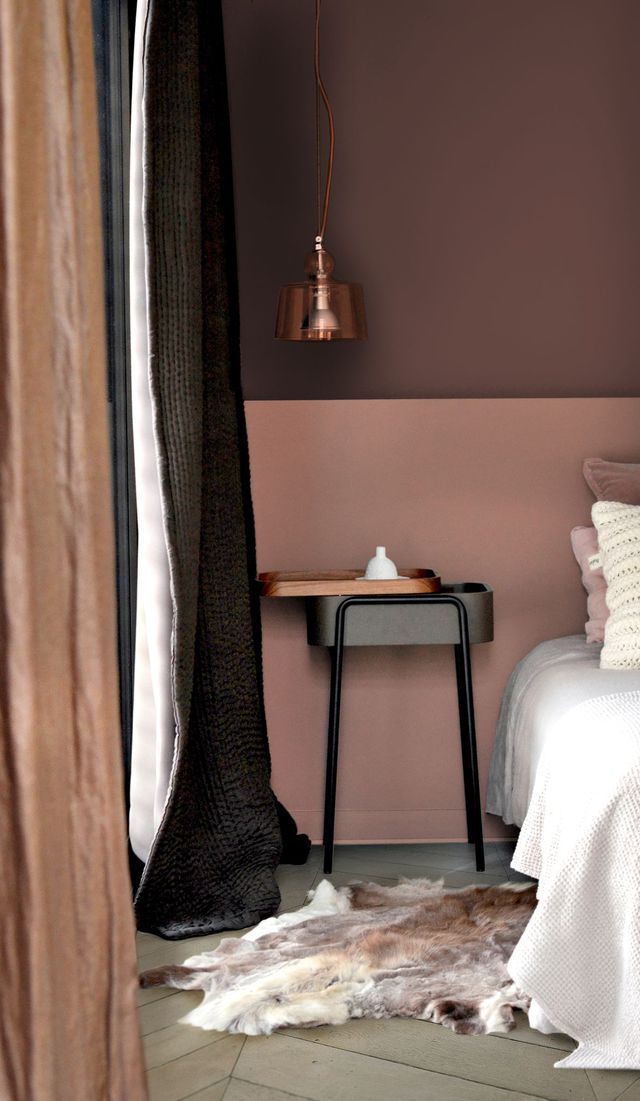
(566, 768)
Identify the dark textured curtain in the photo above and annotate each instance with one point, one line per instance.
(212, 863)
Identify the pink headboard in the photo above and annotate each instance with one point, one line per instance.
(478, 489)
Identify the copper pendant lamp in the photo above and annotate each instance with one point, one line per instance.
(321, 308)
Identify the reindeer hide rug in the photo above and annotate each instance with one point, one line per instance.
(415, 950)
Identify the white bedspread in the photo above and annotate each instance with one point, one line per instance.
(579, 957)
(550, 680)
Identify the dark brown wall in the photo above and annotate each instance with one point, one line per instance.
(487, 193)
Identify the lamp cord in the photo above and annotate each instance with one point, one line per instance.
(322, 212)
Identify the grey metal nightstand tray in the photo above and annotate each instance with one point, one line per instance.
(384, 624)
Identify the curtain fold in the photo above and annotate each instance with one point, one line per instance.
(69, 1018)
(153, 730)
(212, 861)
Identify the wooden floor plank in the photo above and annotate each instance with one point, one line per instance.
(343, 879)
(167, 1012)
(153, 994)
(516, 1067)
(197, 1071)
(249, 1091)
(176, 951)
(632, 1093)
(331, 1074)
(166, 1044)
(211, 1093)
(608, 1085)
(296, 875)
(142, 939)
(448, 857)
(293, 898)
(146, 944)
(518, 877)
(373, 870)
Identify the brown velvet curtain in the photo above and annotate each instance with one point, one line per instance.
(69, 1028)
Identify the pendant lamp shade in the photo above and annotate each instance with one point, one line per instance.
(321, 308)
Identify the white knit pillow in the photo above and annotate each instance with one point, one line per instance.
(618, 528)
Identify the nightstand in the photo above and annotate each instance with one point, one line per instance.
(460, 615)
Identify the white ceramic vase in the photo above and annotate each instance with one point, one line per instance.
(381, 568)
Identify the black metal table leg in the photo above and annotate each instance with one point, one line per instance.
(337, 659)
(468, 739)
(467, 770)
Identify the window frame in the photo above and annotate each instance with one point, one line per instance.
(114, 25)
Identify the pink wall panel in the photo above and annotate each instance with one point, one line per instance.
(484, 490)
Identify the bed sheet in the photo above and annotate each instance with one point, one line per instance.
(554, 677)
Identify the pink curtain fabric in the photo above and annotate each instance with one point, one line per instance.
(69, 1025)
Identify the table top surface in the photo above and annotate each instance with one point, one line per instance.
(279, 583)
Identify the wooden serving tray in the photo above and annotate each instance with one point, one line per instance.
(345, 583)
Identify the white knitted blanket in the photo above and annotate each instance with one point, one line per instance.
(579, 957)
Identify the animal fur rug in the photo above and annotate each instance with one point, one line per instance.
(415, 950)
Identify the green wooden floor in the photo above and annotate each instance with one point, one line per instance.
(363, 1060)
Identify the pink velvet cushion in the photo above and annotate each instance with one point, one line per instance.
(584, 541)
(613, 481)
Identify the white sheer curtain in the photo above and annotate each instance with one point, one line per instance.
(153, 718)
